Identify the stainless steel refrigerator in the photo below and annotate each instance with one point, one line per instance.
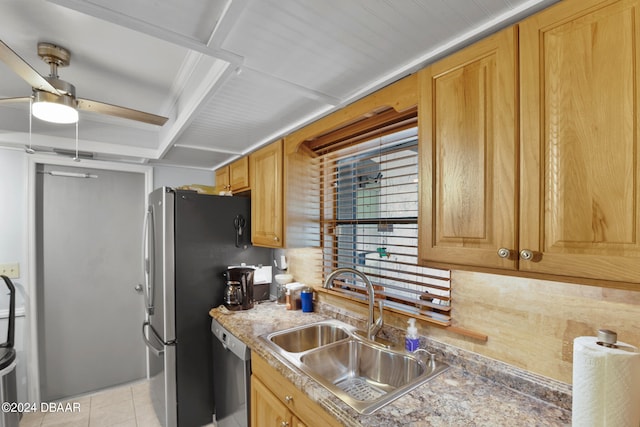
(191, 239)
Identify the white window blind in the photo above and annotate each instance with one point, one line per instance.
(369, 205)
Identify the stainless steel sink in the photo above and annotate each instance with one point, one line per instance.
(303, 338)
(362, 373)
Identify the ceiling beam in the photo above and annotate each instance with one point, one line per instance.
(227, 20)
(195, 98)
(22, 139)
(211, 48)
(138, 25)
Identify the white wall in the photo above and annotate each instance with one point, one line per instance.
(13, 209)
(13, 249)
(174, 177)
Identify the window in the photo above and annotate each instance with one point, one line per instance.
(369, 221)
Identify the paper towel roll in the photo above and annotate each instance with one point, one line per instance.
(606, 384)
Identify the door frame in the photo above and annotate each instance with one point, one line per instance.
(33, 354)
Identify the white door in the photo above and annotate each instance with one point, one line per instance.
(89, 262)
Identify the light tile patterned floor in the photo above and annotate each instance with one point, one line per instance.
(124, 406)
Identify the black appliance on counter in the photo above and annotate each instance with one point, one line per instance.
(238, 294)
(191, 239)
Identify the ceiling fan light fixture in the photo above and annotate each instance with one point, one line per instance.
(54, 108)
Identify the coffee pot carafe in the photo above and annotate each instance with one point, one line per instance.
(233, 294)
(238, 294)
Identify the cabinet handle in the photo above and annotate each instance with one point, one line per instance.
(276, 238)
(526, 255)
(504, 253)
(288, 399)
(284, 424)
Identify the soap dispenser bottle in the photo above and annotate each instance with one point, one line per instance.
(411, 341)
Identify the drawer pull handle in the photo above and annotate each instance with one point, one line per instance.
(288, 399)
(284, 424)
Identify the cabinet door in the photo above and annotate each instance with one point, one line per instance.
(468, 138)
(297, 423)
(266, 196)
(266, 409)
(222, 179)
(239, 174)
(580, 186)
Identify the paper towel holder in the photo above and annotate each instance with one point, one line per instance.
(607, 338)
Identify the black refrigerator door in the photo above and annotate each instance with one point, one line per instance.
(205, 245)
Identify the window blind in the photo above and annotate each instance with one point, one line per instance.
(369, 215)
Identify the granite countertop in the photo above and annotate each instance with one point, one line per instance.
(457, 397)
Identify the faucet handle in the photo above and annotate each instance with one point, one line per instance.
(432, 356)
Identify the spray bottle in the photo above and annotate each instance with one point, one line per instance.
(411, 341)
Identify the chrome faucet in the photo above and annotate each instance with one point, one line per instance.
(372, 328)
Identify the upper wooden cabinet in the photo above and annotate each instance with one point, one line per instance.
(468, 139)
(563, 199)
(239, 175)
(267, 196)
(234, 177)
(580, 178)
(222, 179)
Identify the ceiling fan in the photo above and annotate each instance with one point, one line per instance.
(52, 95)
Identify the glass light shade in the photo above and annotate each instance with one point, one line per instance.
(54, 108)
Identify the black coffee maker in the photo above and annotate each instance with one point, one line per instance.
(238, 294)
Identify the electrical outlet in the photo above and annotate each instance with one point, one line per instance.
(12, 271)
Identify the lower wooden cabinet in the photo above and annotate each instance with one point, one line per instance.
(266, 408)
(276, 402)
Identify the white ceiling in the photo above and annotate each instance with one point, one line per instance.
(231, 75)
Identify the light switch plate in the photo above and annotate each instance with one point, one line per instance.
(12, 271)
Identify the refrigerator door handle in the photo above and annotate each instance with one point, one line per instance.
(148, 260)
(156, 351)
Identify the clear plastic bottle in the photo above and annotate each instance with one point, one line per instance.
(411, 341)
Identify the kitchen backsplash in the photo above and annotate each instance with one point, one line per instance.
(531, 323)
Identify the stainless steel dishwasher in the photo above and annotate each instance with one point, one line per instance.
(231, 378)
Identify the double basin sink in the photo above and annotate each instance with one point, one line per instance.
(362, 373)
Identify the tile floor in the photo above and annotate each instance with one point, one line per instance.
(124, 406)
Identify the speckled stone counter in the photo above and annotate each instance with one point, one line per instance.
(474, 391)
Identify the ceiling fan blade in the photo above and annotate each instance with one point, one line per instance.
(125, 113)
(12, 100)
(24, 70)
